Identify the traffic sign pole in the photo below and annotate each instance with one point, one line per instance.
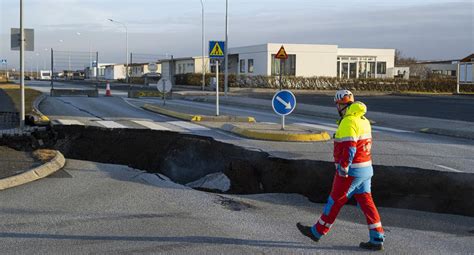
(217, 87)
(281, 72)
(217, 52)
(283, 122)
(22, 69)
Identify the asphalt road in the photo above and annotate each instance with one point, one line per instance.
(108, 209)
(443, 107)
(394, 147)
(91, 208)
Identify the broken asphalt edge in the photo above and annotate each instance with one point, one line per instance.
(197, 118)
(34, 174)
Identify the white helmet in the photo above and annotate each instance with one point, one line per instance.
(343, 96)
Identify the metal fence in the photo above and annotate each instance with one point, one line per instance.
(73, 65)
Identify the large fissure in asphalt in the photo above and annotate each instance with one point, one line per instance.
(185, 158)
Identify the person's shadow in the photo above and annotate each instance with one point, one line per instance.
(178, 239)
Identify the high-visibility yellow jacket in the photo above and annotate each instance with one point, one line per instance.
(353, 141)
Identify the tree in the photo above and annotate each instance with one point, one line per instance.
(400, 60)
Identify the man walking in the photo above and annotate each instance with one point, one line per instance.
(353, 163)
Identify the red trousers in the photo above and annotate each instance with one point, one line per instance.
(342, 191)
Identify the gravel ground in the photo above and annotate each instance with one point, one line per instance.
(13, 162)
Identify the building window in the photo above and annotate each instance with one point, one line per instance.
(242, 66)
(381, 67)
(289, 64)
(250, 66)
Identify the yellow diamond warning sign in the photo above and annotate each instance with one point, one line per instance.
(216, 49)
(281, 53)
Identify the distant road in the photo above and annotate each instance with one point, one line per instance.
(441, 107)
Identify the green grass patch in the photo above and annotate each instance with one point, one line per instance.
(13, 91)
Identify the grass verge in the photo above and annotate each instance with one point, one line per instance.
(13, 91)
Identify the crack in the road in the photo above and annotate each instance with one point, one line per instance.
(82, 110)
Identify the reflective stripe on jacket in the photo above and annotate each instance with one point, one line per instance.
(353, 139)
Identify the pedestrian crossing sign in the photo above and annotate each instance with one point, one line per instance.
(216, 49)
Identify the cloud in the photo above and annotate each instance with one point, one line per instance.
(429, 29)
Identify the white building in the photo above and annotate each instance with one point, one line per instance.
(184, 65)
(140, 69)
(465, 71)
(92, 72)
(443, 67)
(312, 60)
(115, 72)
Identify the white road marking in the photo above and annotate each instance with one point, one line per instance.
(449, 168)
(150, 124)
(187, 125)
(392, 130)
(132, 105)
(110, 124)
(316, 126)
(70, 122)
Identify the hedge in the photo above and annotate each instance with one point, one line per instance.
(327, 83)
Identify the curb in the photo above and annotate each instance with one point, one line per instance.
(197, 118)
(43, 119)
(269, 107)
(284, 137)
(178, 115)
(450, 133)
(34, 174)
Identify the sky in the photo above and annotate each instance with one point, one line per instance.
(424, 29)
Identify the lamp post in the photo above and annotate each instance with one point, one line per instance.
(202, 44)
(37, 65)
(45, 56)
(126, 45)
(226, 60)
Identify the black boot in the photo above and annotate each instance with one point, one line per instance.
(305, 230)
(371, 246)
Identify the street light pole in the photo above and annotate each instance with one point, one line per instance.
(203, 42)
(226, 46)
(126, 46)
(22, 69)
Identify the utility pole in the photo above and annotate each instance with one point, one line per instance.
(226, 47)
(22, 69)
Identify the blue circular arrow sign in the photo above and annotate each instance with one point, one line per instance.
(284, 102)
